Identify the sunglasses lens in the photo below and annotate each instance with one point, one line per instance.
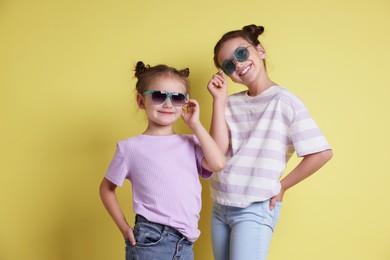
(178, 99)
(159, 97)
(228, 67)
(241, 54)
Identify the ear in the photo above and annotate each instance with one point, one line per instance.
(140, 101)
(260, 49)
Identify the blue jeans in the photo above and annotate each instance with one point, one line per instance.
(243, 233)
(157, 242)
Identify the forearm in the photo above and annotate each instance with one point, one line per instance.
(309, 165)
(219, 129)
(111, 203)
(215, 159)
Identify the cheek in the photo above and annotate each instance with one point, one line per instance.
(234, 77)
(179, 110)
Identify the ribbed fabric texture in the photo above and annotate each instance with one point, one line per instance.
(265, 131)
(163, 171)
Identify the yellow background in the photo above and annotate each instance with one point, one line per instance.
(67, 95)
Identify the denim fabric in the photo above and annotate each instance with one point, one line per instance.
(243, 233)
(158, 242)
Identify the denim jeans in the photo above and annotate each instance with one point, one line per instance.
(243, 233)
(158, 242)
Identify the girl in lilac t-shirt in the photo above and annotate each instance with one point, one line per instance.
(163, 168)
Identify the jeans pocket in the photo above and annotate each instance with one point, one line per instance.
(128, 250)
(271, 216)
(276, 210)
(146, 234)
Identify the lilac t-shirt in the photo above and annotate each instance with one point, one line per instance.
(163, 171)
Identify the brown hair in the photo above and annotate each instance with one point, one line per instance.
(145, 74)
(249, 33)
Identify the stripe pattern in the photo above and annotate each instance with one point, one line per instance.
(264, 132)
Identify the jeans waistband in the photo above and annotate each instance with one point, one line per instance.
(139, 218)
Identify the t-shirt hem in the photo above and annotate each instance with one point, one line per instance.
(237, 204)
(114, 181)
(318, 150)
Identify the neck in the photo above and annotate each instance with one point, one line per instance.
(260, 85)
(159, 130)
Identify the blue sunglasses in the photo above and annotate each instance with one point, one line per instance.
(241, 54)
(159, 97)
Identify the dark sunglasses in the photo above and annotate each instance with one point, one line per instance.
(240, 54)
(159, 97)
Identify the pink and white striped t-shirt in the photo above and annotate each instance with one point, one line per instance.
(163, 171)
(265, 130)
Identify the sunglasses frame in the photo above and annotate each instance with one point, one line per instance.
(229, 66)
(167, 95)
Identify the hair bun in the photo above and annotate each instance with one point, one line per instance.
(254, 30)
(140, 68)
(185, 72)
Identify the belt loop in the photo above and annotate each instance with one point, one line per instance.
(165, 230)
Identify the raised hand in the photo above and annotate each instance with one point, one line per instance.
(190, 113)
(218, 85)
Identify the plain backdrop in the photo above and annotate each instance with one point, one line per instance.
(67, 96)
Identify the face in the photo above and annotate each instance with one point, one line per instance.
(245, 67)
(162, 112)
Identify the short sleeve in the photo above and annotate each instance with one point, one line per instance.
(117, 169)
(204, 173)
(306, 136)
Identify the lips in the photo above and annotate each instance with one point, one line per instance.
(166, 112)
(245, 70)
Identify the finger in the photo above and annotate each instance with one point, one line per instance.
(272, 203)
(220, 72)
(213, 81)
(219, 78)
(131, 238)
(193, 101)
(217, 83)
(191, 109)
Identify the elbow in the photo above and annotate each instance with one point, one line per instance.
(105, 187)
(101, 190)
(220, 164)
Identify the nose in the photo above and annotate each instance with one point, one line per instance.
(237, 63)
(167, 102)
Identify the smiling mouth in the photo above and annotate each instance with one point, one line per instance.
(245, 70)
(166, 112)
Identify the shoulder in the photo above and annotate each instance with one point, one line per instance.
(237, 96)
(188, 141)
(190, 138)
(125, 143)
(289, 99)
(130, 139)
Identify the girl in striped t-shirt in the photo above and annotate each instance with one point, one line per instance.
(258, 129)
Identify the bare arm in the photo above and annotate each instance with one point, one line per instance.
(110, 201)
(214, 159)
(217, 86)
(308, 165)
